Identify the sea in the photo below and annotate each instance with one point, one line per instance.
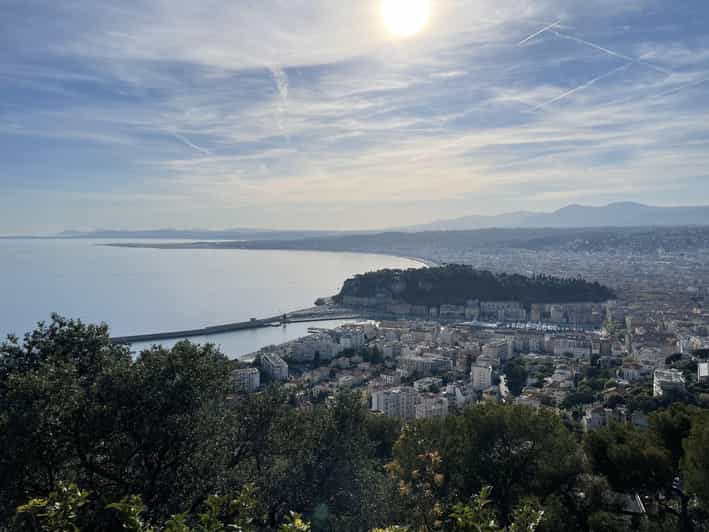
(143, 290)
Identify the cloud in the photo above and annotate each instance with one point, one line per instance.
(304, 106)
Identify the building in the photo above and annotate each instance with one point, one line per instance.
(424, 365)
(246, 379)
(425, 384)
(631, 371)
(397, 402)
(432, 407)
(352, 340)
(503, 311)
(491, 395)
(703, 371)
(528, 343)
(481, 376)
(391, 379)
(500, 350)
(578, 347)
(274, 366)
(667, 380)
(597, 417)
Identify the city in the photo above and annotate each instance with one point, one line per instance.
(414, 369)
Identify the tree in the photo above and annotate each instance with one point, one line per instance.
(578, 398)
(58, 512)
(516, 450)
(516, 373)
(629, 459)
(672, 426)
(695, 462)
(79, 409)
(64, 510)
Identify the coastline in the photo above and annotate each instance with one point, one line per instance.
(425, 262)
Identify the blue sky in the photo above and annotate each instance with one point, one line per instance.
(310, 114)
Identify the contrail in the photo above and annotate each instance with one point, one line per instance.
(191, 144)
(681, 87)
(583, 86)
(611, 52)
(533, 35)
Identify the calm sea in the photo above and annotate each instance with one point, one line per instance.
(151, 290)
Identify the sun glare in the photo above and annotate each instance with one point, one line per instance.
(404, 18)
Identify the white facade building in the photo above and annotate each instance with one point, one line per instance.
(397, 402)
(500, 349)
(425, 365)
(274, 366)
(481, 376)
(246, 379)
(703, 371)
(425, 384)
(432, 407)
(577, 347)
(667, 380)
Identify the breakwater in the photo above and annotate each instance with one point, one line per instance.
(253, 323)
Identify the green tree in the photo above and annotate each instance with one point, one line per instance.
(517, 451)
(77, 408)
(629, 458)
(695, 462)
(516, 373)
(58, 512)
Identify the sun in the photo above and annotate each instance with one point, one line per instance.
(404, 18)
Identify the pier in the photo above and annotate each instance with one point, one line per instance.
(304, 316)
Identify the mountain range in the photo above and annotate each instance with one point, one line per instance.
(622, 214)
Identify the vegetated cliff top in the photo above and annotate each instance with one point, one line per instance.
(455, 284)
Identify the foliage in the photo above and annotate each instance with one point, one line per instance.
(517, 451)
(457, 284)
(578, 398)
(95, 439)
(58, 512)
(629, 459)
(516, 373)
(79, 409)
(696, 460)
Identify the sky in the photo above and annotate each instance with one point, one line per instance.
(140, 114)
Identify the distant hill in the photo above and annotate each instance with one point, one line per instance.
(200, 234)
(624, 214)
(456, 284)
(431, 244)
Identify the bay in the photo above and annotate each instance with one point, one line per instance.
(141, 290)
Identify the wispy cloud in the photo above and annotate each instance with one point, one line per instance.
(280, 78)
(292, 109)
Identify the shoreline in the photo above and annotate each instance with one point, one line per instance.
(425, 262)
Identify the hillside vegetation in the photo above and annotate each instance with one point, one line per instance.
(456, 284)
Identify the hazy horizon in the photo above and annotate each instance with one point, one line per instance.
(423, 225)
(342, 116)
